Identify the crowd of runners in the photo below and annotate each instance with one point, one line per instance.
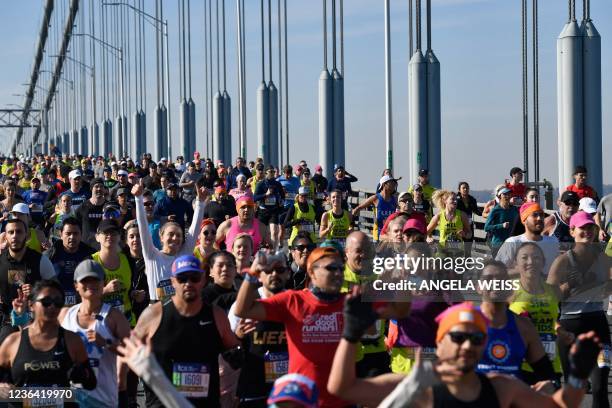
(215, 285)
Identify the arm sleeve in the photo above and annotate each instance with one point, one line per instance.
(151, 373)
(352, 179)
(420, 378)
(277, 306)
(47, 271)
(148, 249)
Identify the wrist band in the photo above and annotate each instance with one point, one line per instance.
(251, 279)
(19, 319)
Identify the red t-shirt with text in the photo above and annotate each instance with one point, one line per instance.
(314, 329)
(586, 191)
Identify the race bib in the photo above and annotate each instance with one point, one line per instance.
(70, 298)
(191, 379)
(37, 208)
(306, 227)
(549, 341)
(270, 201)
(116, 302)
(603, 359)
(164, 289)
(276, 365)
(290, 196)
(427, 353)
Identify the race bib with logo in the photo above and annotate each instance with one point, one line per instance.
(306, 227)
(164, 289)
(549, 341)
(191, 379)
(270, 201)
(276, 365)
(70, 298)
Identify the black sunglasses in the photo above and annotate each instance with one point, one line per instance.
(303, 247)
(457, 337)
(332, 267)
(191, 277)
(47, 301)
(208, 232)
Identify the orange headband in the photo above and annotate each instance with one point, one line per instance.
(319, 253)
(462, 313)
(527, 209)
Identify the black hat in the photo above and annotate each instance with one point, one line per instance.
(122, 190)
(569, 197)
(580, 169)
(423, 172)
(95, 181)
(108, 226)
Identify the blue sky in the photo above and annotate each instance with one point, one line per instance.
(477, 42)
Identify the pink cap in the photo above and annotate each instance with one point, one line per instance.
(416, 224)
(580, 219)
(318, 167)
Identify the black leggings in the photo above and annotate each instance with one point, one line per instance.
(597, 322)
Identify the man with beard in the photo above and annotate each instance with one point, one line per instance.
(452, 381)
(558, 224)
(90, 212)
(265, 343)
(175, 328)
(20, 266)
(312, 317)
(532, 217)
(65, 254)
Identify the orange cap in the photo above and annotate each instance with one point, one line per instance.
(319, 253)
(464, 313)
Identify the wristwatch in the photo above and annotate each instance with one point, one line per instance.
(576, 382)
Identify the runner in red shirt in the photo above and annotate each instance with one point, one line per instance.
(580, 186)
(312, 317)
(517, 189)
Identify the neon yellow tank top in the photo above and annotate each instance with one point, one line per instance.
(307, 226)
(543, 310)
(339, 226)
(119, 300)
(448, 229)
(33, 243)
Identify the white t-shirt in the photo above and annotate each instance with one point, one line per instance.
(548, 244)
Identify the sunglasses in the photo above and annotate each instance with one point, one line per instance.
(191, 277)
(477, 339)
(208, 232)
(333, 267)
(47, 301)
(149, 203)
(303, 248)
(279, 270)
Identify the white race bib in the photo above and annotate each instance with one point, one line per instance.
(191, 379)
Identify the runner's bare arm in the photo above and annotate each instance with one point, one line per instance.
(558, 275)
(370, 201)
(264, 232)
(246, 306)
(433, 224)
(148, 322)
(515, 393)
(324, 228)
(535, 349)
(467, 230)
(228, 337)
(8, 349)
(549, 225)
(344, 383)
(222, 231)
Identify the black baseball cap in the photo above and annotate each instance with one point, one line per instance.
(97, 180)
(423, 172)
(569, 197)
(108, 226)
(259, 166)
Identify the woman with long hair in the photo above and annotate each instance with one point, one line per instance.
(453, 224)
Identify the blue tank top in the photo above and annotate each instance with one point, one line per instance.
(383, 210)
(504, 351)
